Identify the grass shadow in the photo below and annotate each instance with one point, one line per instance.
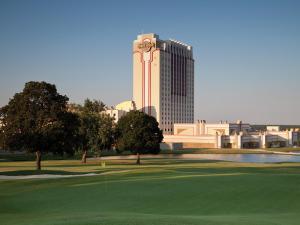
(41, 172)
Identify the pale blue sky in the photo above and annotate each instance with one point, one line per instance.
(247, 53)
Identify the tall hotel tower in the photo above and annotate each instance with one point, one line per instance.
(163, 80)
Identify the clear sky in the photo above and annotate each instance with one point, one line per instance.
(247, 53)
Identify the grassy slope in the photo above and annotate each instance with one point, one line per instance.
(158, 192)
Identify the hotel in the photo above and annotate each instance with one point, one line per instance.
(163, 80)
(163, 87)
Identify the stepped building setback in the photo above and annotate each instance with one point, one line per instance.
(163, 80)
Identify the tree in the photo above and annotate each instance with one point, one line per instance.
(89, 106)
(37, 120)
(88, 132)
(69, 133)
(1, 138)
(96, 132)
(95, 106)
(106, 132)
(138, 133)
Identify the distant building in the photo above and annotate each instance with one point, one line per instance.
(126, 106)
(203, 128)
(163, 80)
(273, 128)
(120, 110)
(228, 135)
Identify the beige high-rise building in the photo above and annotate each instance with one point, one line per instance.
(163, 80)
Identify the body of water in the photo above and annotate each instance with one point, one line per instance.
(254, 158)
(247, 158)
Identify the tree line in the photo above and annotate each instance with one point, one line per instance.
(39, 120)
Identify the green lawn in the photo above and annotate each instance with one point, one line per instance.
(159, 192)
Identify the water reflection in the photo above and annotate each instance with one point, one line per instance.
(251, 158)
(255, 158)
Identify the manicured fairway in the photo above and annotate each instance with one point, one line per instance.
(159, 192)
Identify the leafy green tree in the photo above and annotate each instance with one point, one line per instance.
(138, 133)
(1, 138)
(88, 132)
(37, 120)
(95, 106)
(89, 106)
(69, 133)
(89, 114)
(106, 132)
(96, 132)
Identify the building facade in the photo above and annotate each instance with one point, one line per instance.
(120, 110)
(228, 135)
(163, 80)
